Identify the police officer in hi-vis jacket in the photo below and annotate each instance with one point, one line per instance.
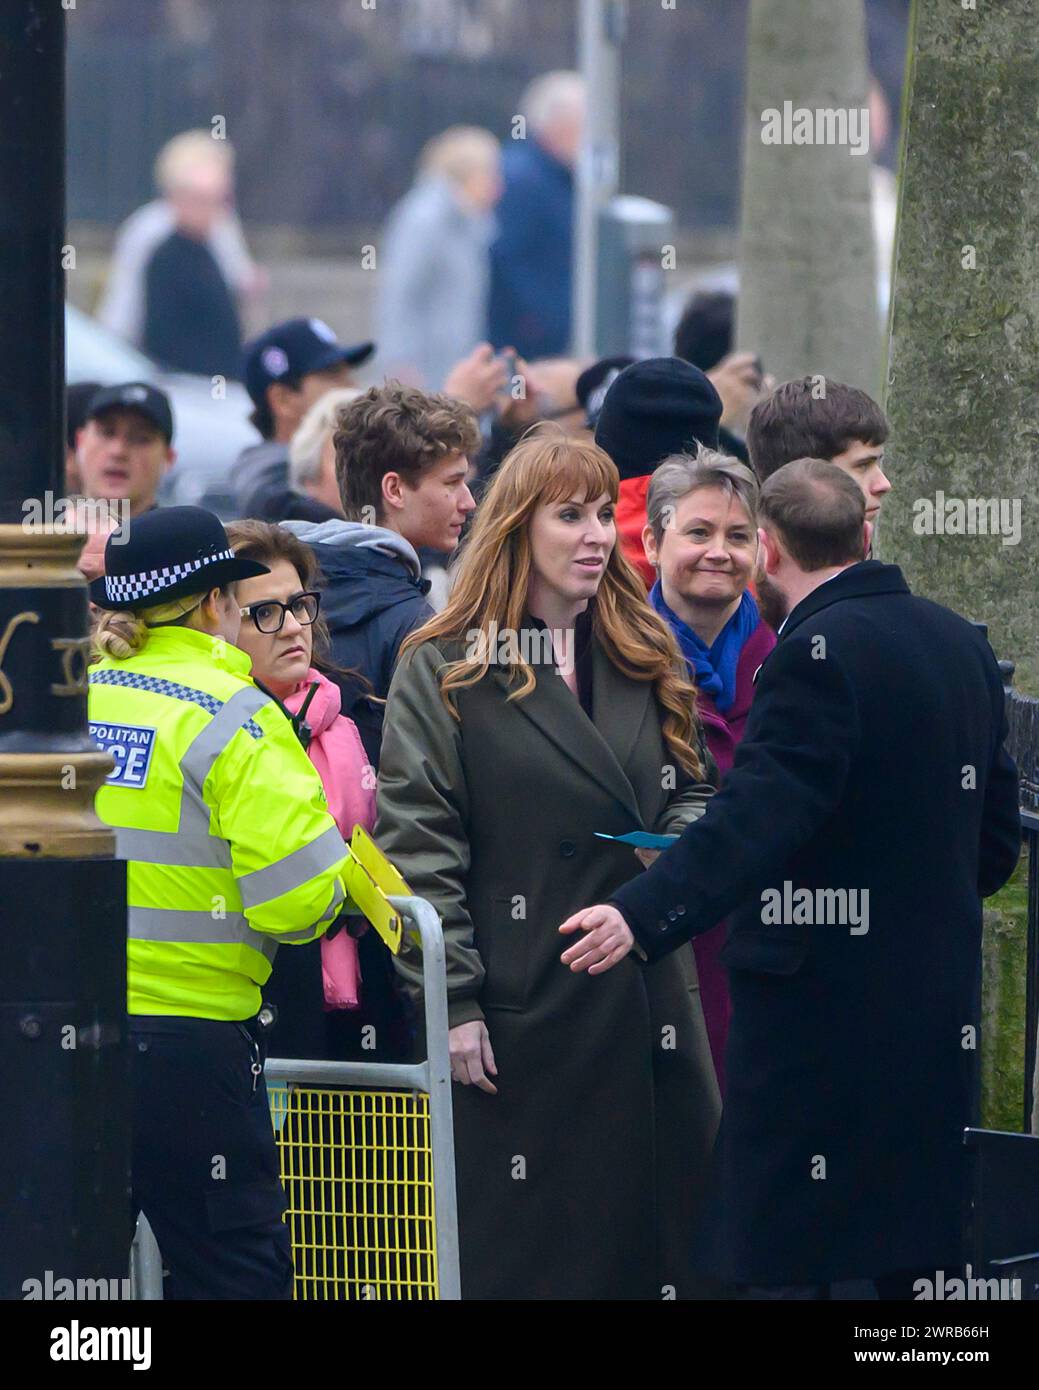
(230, 850)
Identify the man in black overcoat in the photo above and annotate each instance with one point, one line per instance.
(870, 808)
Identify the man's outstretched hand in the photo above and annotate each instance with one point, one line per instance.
(606, 941)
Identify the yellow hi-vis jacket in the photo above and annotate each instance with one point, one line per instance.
(222, 819)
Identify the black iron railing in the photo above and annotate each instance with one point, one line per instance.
(1023, 746)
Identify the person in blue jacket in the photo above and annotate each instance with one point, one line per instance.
(530, 260)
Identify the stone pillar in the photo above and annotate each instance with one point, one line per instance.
(807, 298)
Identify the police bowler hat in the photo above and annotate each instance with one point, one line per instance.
(165, 554)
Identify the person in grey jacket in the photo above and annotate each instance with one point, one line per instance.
(435, 260)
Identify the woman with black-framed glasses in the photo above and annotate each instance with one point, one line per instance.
(283, 635)
(268, 616)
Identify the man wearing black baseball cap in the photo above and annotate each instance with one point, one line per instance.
(286, 370)
(125, 446)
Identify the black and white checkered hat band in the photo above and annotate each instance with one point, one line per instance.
(128, 588)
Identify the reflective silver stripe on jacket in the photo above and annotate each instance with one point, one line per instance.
(329, 915)
(294, 870)
(185, 850)
(338, 898)
(197, 929)
(191, 845)
(206, 747)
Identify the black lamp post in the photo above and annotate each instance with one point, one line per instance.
(63, 1092)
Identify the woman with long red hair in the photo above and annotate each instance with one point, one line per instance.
(546, 707)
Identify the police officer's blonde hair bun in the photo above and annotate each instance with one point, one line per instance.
(123, 634)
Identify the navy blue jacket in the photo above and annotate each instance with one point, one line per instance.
(370, 603)
(872, 764)
(530, 260)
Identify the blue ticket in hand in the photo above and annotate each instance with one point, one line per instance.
(640, 839)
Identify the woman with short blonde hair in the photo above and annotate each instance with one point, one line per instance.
(701, 537)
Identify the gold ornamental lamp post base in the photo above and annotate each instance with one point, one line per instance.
(46, 797)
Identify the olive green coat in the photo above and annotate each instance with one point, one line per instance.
(581, 1177)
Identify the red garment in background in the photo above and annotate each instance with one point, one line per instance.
(631, 518)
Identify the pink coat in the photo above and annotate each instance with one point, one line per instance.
(349, 781)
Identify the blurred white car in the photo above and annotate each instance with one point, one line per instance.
(208, 433)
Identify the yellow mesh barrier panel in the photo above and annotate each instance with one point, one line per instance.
(357, 1167)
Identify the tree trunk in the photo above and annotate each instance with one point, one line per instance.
(963, 393)
(808, 292)
(963, 384)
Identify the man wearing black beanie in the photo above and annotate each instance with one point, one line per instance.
(654, 408)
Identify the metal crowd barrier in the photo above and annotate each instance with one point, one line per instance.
(366, 1152)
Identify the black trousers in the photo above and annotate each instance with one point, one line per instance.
(205, 1167)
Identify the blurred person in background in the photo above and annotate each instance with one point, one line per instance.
(592, 385)
(701, 538)
(530, 260)
(653, 409)
(287, 370)
(501, 759)
(78, 395)
(402, 464)
(704, 333)
(704, 337)
(435, 267)
(505, 405)
(558, 401)
(312, 459)
(286, 641)
(188, 158)
(191, 321)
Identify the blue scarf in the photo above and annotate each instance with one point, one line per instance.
(714, 667)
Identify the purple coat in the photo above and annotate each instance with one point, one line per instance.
(723, 733)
